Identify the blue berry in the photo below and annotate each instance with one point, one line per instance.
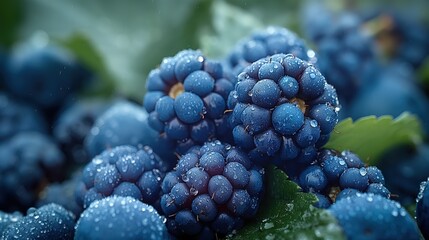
(422, 210)
(48, 222)
(211, 185)
(45, 76)
(74, 124)
(7, 219)
(354, 178)
(124, 119)
(266, 42)
(17, 116)
(369, 216)
(62, 194)
(336, 175)
(404, 169)
(386, 96)
(346, 54)
(186, 99)
(120, 218)
(29, 159)
(291, 101)
(123, 171)
(115, 126)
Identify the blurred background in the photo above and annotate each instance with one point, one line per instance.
(123, 40)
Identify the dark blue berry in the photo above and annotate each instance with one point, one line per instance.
(213, 184)
(187, 99)
(123, 171)
(120, 218)
(51, 221)
(374, 217)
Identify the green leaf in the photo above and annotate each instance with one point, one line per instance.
(287, 213)
(229, 25)
(369, 137)
(10, 18)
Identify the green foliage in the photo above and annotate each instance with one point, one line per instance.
(370, 136)
(10, 19)
(287, 213)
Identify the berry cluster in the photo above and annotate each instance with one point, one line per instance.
(123, 171)
(337, 175)
(211, 191)
(134, 220)
(282, 110)
(189, 163)
(186, 98)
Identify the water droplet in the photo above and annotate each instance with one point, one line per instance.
(268, 225)
(313, 123)
(362, 171)
(193, 191)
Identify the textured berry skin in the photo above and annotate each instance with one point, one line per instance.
(122, 120)
(422, 210)
(336, 175)
(405, 168)
(282, 110)
(74, 124)
(120, 218)
(7, 219)
(186, 99)
(45, 76)
(266, 42)
(48, 222)
(28, 161)
(123, 171)
(212, 190)
(369, 216)
(17, 116)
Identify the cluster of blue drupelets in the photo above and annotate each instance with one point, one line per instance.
(190, 162)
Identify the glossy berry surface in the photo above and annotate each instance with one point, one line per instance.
(282, 110)
(48, 222)
(115, 126)
(123, 171)
(120, 218)
(369, 216)
(186, 99)
(212, 190)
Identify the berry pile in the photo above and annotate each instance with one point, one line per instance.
(212, 190)
(190, 161)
